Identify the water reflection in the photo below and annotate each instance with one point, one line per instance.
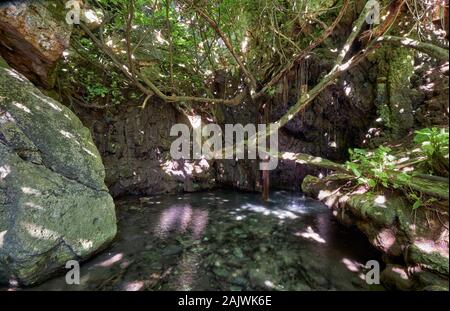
(225, 240)
(181, 217)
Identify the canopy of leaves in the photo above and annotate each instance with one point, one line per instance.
(184, 46)
(175, 46)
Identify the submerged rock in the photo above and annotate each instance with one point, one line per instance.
(54, 205)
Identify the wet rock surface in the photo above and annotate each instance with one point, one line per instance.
(225, 240)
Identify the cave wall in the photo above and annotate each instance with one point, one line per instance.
(135, 147)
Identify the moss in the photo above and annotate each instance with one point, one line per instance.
(3, 63)
(309, 183)
(394, 95)
(67, 185)
(431, 260)
(367, 207)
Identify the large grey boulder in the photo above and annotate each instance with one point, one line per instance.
(54, 205)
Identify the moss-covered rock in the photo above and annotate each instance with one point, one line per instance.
(395, 67)
(397, 277)
(54, 205)
(428, 257)
(401, 233)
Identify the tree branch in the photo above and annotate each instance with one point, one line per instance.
(152, 88)
(128, 28)
(305, 99)
(427, 48)
(302, 158)
(393, 11)
(304, 53)
(337, 69)
(213, 24)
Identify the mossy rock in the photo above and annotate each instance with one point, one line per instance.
(431, 260)
(374, 208)
(54, 205)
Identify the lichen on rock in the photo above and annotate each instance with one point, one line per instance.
(54, 205)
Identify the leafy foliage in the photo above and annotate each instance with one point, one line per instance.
(177, 49)
(434, 144)
(90, 77)
(380, 168)
(372, 167)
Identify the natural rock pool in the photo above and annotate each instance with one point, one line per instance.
(225, 240)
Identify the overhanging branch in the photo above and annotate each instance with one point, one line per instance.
(213, 24)
(304, 53)
(427, 48)
(337, 69)
(151, 89)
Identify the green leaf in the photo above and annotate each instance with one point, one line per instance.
(354, 168)
(372, 183)
(417, 204)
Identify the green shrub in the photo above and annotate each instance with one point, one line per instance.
(434, 145)
(372, 167)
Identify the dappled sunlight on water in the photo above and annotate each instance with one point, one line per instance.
(180, 218)
(225, 240)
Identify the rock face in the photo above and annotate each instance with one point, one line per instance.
(54, 205)
(33, 36)
(337, 119)
(433, 105)
(135, 148)
(414, 243)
